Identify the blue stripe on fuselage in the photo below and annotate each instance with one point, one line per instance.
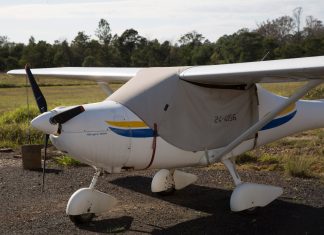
(279, 121)
(136, 133)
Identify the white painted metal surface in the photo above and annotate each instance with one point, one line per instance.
(288, 70)
(249, 195)
(95, 144)
(183, 179)
(86, 200)
(162, 181)
(84, 73)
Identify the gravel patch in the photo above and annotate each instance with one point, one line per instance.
(202, 208)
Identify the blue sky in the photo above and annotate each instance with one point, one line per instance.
(163, 19)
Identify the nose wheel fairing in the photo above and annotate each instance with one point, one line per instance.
(89, 200)
(86, 202)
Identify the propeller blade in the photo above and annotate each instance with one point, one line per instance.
(39, 97)
(44, 160)
(42, 106)
(65, 116)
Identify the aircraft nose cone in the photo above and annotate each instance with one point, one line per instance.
(42, 123)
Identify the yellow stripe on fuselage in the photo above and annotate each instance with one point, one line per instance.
(135, 124)
(287, 110)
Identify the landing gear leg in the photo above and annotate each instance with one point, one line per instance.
(248, 196)
(86, 202)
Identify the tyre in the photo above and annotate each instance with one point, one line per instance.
(81, 219)
(167, 192)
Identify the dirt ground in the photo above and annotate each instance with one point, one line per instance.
(202, 208)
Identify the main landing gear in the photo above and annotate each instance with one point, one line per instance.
(86, 202)
(248, 196)
(165, 182)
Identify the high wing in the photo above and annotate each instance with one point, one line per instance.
(272, 71)
(84, 73)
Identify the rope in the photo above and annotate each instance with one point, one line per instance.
(155, 134)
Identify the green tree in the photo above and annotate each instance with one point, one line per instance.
(314, 28)
(103, 32)
(3, 64)
(62, 54)
(242, 46)
(90, 61)
(190, 43)
(78, 47)
(39, 55)
(12, 63)
(280, 29)
(127, 43)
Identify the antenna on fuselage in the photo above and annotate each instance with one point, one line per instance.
(265, 56)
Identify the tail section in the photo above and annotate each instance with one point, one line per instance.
(300, 116)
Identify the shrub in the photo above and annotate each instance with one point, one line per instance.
(268, 159)
(15, 128)
(298, 166)
(317, 93)
(67, 161)
(245, 158)
(19, 115)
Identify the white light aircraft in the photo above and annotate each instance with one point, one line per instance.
(176, 117)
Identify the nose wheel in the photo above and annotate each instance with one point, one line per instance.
(86, 202)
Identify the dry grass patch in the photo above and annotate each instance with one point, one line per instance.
(299, 166)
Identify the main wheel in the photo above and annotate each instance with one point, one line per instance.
(82, 219)
(169, 191)
(251, 211)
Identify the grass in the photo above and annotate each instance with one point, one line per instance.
(7, 81)
(67, 161)
(299, 166)
(246, 158)
(58, 92)
(15, 128)
(286, 89)
(12, 98)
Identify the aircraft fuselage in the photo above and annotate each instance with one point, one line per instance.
(109, 136)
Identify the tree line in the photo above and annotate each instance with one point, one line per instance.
(280, 38)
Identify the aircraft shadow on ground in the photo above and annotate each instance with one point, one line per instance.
(48, 170)
(280, 217)
(116, 225)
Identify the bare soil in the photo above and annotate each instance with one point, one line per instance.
(202, 208)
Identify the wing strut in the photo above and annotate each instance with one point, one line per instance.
(106, 88)
(221, 155)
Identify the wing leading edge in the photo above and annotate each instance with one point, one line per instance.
(272, 71)
(84, 73)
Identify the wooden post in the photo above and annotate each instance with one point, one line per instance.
(31, 156)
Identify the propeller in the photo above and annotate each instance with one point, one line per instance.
(46, 122)
(65, 116)
(42, 106)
